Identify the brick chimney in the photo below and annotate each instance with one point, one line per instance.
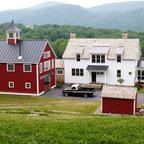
(72, 35)
(124, 35)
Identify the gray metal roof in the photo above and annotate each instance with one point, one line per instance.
(97, 67)
(100, 50)
(13, 28)
(140, 64)
(31, 51)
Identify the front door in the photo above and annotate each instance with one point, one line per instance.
(93, 74)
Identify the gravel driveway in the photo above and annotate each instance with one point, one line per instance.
(57, 93)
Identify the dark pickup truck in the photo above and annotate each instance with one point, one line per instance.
(76, 90)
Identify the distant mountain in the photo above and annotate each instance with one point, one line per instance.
(118, 7)
(46, 4)
(124, 16)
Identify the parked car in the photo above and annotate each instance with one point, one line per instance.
(77, 90)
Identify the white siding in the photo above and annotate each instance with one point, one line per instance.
(125, 66)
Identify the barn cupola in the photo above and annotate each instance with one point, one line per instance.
(13, 33)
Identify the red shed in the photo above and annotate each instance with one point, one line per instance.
(27, 67)
(119, 99)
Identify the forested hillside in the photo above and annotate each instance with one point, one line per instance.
(123, 16)
(58, 35)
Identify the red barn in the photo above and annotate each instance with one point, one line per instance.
(118, 99)
(27, 67)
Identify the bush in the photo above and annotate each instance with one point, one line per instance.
(139, 85)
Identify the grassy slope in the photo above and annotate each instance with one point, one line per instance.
(63, 121)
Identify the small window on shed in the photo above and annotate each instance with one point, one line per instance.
(59, 71)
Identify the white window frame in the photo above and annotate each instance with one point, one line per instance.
(11, 83)
(24, 68)
(26, 85)
(94, 58)
(59, 70)
(46, 54)
(52, 63)
(12, 35)
(13, 67)
(41, 68)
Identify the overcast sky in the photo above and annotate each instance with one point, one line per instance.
(18, 4)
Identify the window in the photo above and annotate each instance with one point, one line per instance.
(73, 72)
(81, 72)
(118, 58)
(17, 35)
(141, 75)
(46, 54)
(59, 71)
(11, 84)
(98, 58)
(27, 67)
(28, 85)
(41, 68)
(11, 67)
(130, 73)
(77, 72)
(78, 57)
(10, 35)
(118, 73)
(93, 59)
(52, 63)
(47, 65)
(102, 58)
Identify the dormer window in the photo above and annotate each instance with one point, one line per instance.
(78, 57)
(10, 35)
(119, 58)
(98, 58)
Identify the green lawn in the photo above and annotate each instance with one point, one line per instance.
(62, 121)
(141, 90)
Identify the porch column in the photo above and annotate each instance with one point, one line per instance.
(105, 78)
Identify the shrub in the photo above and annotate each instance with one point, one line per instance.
(139, 85)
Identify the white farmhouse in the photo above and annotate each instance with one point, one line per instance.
(101, 61)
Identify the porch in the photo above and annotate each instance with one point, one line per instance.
(98, 74)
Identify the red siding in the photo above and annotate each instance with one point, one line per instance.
(19, 78)
(121, 106)
(52, 56)
(11, 41)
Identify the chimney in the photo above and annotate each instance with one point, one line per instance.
(20, 54)
(72, 35)
(124, 35)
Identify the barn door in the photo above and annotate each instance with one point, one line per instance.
(47, 83)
